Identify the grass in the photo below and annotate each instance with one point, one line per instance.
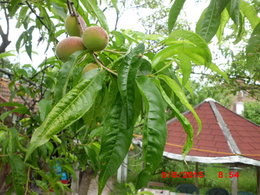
(246, 179)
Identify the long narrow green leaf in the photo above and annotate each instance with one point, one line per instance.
(126, 80)
(223, 22)
(253, 50)
(174, 12)
(6, 54)
(216, 69)
(250, 13)
(64, 76)
(210, 20)
(155, 130)
(183, 120)
(198, 41)
(234, 11)
(193, 38)
(114, 3)
(115, 142)
(68, 110)
(185, 65)
(20, 110)
(180, 94)
(98, 12)
(195, 53)
(18, 169)
(119, 124)
(16, 163)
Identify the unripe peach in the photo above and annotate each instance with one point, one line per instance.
(74, 28)
(95, 38)
(89, 67)
(68, 46)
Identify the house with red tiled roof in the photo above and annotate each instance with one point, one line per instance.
(226, 137)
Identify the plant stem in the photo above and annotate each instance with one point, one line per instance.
(27, 182)
(100, 64)
(114, 51)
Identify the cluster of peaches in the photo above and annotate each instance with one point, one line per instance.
(93, 38)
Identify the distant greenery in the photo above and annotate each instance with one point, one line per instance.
(252, 111)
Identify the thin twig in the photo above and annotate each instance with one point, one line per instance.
(46, 67)
(4, 36)
(117, 18)
(7, 22)
(68, 5)
(37, 16)
(27, 182)
(73, 12)
(100, 64)
(11, 75)
(114, 51)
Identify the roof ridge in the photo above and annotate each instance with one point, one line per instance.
(224, 127)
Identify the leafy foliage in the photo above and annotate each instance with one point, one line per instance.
(252, 111)
(67, 117)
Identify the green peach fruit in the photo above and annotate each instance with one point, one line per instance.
(89, 67)
(68, 46)
(75, 27)
(95, 38)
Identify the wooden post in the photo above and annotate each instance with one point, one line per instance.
(233, 182)
(122, 171)
(258, 180)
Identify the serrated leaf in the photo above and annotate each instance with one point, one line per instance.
(210, 20)
(18, 170)
(216, 69)
(92, 151)
(114, 3)
(155, 131)
(17, 165)
(115, 142)
(250, 13)
(22, 15)
(253, 50)
(19, 41)
(20, 110)
(64, 76)
(183, 120)
(186, 67)
(68, 110)
(119, 125)
(186, 43)
(6, 54)
(99, 14)
(177, 48)
(44, 108)
(126, 80)
(180, 94)
(174, 13)
(234, 11)
(223, 23)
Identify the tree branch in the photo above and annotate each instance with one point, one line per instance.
(4, 36)
(117, 18)
(37, 16)
(11, 74)
(100, 64)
